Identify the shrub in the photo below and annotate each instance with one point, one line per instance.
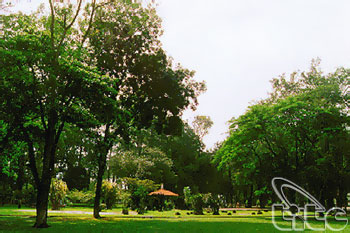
(188, 197)
(125, 211)
(138, 198)
(169, 205)
(198, 204)
(58, 190)
(138, 191)
(195, 201)
(109, 193)
(81, 197)
(212, 201)
(103, 206)
(125, 198)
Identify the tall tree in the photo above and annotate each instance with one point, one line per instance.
(45, 84)
(105, 73)
(299, 132)
(151, 92)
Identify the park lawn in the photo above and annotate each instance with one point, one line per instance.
(12, 220)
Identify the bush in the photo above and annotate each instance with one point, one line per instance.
(109, 193)
(169, 205)
(198, 204)
(58, 190)
(103, 206)
(188, 197)
(125, 211)
(138, 192)
(125, 198)
(138, 198)
(212, 201)
(81, 197)
(195, 201)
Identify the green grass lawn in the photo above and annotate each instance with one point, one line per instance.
(12, 220)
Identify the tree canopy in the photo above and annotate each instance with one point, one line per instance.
(300, 132)
(101, 69)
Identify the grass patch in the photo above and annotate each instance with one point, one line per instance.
(12, 220)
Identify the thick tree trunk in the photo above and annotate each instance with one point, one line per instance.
(42, 204)
(102, 150)
(98, 192)
(43, 184)
(101, 170)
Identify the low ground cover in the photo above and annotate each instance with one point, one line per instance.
(74, 219)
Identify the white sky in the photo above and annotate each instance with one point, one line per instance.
(237, 46)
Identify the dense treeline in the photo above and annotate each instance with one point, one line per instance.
(301, 132)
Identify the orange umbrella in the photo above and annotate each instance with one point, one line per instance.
(163, 192)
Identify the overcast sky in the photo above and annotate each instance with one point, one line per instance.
(237, 46)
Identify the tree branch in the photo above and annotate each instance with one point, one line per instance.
(70, 25)
(52, 27)
(90, 21)
(59, 131)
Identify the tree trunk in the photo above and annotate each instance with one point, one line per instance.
(101, 170)
(102, 150)
(98, 192)
(42, 203)
(250, 197)
(43, 184)
(20, 182)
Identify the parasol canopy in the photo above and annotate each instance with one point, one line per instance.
(163, 192)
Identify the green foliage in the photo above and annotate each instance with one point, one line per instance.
(169, 205)
(83, 197)
(188, 196)
(299, 133)
(142, 163)
(58, 191)
(138, 192)
(198, 204)
(126, 201)
(68, 70)
(213, 202)
(109, 193)
(29, 195)
(194, 201)
(11, 150)
(138, 198)
(132, 184)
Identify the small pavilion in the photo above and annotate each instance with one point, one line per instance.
(161, 195)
